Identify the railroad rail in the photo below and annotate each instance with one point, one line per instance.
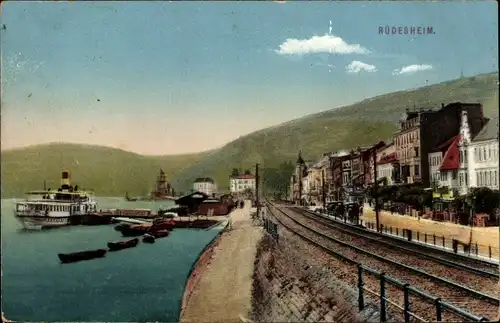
(484, 264)
(459, 296)
(488, 271)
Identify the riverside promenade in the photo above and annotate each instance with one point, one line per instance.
(221, 287)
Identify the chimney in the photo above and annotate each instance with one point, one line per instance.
(65, 179)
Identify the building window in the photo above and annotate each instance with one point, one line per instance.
(444, 176)
(476, 156)
(416, 151)
(484, 153)
(454, 175)
(417, 170)
(461, 179)
(495, 178)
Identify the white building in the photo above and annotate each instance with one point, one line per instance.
(482, 157)
(205, 185)
(240, 183)
(386, 156)
(462, 163)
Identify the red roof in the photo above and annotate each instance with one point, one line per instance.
(451, 159)
(244, 176)
(387, 159)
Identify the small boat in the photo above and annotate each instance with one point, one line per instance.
(148, 238)
(160, 233)
(82, 255)
(135, 230)
(129, 220)
(163, 224)
(122, 226)
(115, 246)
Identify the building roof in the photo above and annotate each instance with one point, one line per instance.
(244, 176)
(445, 145)
(322, 162)
(451, 159)
(489, 131)
(389, 158)
(204, 180)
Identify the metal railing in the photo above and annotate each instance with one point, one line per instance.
(385, 279)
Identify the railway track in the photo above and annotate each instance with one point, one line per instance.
(483, 279)
(474, 265)
(477, 303)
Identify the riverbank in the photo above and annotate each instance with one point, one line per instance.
(220, 286)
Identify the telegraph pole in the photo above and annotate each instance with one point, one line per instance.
(257, 180)
(323, 188)
(375, 191)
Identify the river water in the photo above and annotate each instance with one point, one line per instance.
(134, 285)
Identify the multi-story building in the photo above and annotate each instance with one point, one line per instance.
(386, 157)
(297, 180)
(483, 158)
(205, 185)
(424, 130)
(241, 183)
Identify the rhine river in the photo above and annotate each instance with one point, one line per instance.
(140, 284)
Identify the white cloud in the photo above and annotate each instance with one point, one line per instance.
(411, 69)
(319, 44)
(357, 66)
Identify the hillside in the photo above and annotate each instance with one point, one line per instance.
(112, 171)
(107, 171)
(362, 123)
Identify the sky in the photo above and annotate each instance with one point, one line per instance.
(160, 78)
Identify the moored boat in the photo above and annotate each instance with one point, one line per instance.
(160, 233)
(47, 208)
(148, 238)
(82, 255)
(163, 224)
(114, 246)
(135, 230)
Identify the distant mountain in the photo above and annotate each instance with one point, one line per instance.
(108, 171)
(343, 128)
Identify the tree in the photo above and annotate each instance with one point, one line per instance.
(247, 172)
(235, 172)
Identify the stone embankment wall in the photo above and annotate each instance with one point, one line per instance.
(293, 283)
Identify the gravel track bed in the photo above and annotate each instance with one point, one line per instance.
(418, 306)
(487, 285)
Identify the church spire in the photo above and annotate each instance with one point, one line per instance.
(299, 159)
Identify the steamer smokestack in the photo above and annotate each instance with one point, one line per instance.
(65, 182)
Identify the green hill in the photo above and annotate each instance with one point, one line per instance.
(107, 171)
(111, 171)
(343, 128)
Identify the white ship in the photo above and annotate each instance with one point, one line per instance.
(47, 208)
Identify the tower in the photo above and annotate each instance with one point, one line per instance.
(463, 147)
(299, 174)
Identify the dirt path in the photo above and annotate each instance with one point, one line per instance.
(223, 293)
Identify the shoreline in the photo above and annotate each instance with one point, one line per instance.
(198, 268)
(219, 288)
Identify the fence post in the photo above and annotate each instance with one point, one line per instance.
(418, 235)
(489, 251)
(381, 228)
(390, 229)
(434, 235)
(407, 302)
(397, 231)
(437, 302)
(425, 237)
(477, 249)
(444, 244)
(383, 303)
(361, 299)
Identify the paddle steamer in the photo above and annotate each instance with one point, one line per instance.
(47, 208)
